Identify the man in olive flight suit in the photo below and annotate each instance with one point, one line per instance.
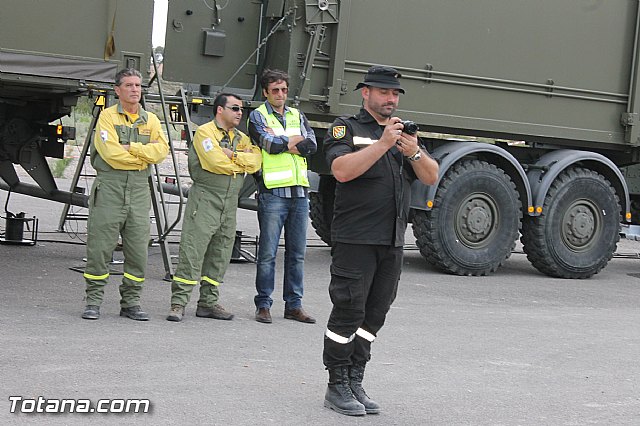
(127, 140)
(219, 158)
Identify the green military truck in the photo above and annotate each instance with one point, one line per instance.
(51, 54)
(531, 109)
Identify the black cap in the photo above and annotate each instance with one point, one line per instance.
(381, 76)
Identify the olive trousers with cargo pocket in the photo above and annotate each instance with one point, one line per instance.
(118, 206)
(364, 283)
(206, 242)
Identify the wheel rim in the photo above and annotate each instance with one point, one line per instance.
(476, 220)
(581, 225)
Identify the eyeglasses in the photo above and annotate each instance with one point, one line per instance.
(234, 108)
(275, 90)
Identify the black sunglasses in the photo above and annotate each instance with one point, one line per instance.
(234, 108)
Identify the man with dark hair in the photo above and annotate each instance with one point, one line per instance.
(285, 137)
(374, 159)
(127, 140)
(219, 158)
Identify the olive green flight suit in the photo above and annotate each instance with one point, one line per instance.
(120, 200)
(209, 223)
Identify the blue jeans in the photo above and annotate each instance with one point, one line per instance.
(274, 213)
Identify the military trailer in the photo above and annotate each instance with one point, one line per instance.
(51, 54)
(531, 109)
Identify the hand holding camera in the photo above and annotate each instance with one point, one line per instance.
(410, 127)
(407, 143)
(403, 135)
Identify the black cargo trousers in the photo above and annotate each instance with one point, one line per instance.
(364, 283)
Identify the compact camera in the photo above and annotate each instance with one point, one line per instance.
(410, 127)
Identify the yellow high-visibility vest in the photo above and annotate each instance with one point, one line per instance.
(284, 169)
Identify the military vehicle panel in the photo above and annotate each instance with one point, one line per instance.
(541, 97)
(51, 53)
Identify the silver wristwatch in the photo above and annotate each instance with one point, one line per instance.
(416, 156)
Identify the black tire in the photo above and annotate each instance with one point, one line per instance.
(321, 208)
(474, 224)
(635, 210)
(579, 228)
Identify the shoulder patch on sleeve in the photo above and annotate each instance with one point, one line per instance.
(104, 135)
(338, 132)
(207, 144)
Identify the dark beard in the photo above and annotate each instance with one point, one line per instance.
(385, 115)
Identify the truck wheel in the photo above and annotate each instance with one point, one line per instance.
(321, 208)
(474, 224)
(579, 228)
(635, 210)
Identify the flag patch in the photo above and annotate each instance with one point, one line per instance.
(339, 132)
(104, 135)
(207, 144)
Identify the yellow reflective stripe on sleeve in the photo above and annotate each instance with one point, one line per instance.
(133, 278)
(96, 277)
(338, 338)
(184, 281)
(210, 281)
(365, 335)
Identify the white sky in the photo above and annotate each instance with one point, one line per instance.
(159, 22)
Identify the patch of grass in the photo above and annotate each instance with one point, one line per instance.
(58, 166)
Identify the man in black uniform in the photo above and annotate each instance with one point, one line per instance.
(374, 162)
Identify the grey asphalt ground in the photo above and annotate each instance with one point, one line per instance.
(514, 348)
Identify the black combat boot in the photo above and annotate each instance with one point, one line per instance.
(356, 375)
(339, 396)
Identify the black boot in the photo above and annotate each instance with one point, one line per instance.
(339, 396)
(356, 375)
